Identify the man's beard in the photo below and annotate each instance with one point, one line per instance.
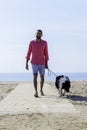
(38, 37)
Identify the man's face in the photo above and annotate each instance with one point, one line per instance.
(38, 35)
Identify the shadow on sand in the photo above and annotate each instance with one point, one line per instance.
(77, 98)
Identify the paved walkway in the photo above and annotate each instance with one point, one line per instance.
(21, 100)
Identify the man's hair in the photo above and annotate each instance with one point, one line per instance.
(39, 31)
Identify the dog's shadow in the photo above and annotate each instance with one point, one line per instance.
(77, 98)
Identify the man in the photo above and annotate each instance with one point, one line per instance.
(39, 50)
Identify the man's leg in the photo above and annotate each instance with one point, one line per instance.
(35, 74)
(35, 85)
(41, 84)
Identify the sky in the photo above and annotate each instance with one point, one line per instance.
(64, 25)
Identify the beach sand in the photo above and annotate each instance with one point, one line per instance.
(48, 121)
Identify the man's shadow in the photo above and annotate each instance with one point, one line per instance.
(77, 98)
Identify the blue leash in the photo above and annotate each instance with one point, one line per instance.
(50, 71)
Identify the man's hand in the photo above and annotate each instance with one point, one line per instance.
(46, 66)
(27, 67)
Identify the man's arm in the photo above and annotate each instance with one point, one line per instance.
(27, 67)
(46, 65)
(28, 56)
(46, 56)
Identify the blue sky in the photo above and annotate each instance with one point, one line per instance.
(64, 25)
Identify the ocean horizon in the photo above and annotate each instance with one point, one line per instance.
(48, 76)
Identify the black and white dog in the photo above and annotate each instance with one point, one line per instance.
(62, 83)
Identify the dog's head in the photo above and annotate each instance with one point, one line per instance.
(62, 82)
(58, 80)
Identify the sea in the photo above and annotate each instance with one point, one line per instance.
(48, 76)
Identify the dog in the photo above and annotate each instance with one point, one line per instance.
(62, 83)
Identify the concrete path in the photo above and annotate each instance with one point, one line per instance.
(21, 100)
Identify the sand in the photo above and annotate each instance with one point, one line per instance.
(48, 121)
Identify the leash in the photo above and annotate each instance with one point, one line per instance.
(50, 71)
